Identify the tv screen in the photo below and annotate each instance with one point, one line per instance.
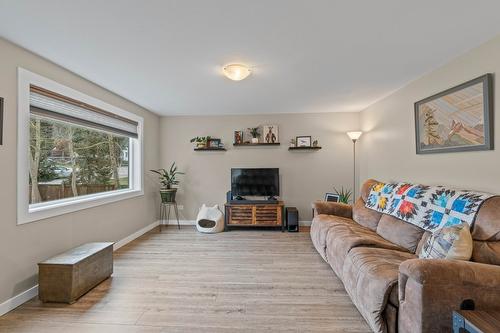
(257, 182)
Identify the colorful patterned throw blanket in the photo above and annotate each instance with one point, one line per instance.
(428, 207)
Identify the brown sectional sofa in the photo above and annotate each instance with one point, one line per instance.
(376, 257)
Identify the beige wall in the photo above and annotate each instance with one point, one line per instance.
(388, 147)
(23, 246)
(305, 176)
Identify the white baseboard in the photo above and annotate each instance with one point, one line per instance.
(17, 300)
(181, 222)
(26, 295)
(135, 235)
(193, 222)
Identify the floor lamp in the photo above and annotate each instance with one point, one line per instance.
(354, 137)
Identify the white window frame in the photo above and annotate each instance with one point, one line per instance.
(29, 213)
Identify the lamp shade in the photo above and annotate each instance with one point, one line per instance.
(236, 72)
(355, 135)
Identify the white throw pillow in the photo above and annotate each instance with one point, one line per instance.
(453, 242)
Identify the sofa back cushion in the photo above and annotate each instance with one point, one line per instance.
(365, 216)
(366, 188)
(399, 232)
(486, 233)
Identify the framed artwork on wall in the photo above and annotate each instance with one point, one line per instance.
(457, 119)
(270, 133)
(238, 137)
(1, 121)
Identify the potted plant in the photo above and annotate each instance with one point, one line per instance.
(344, 195)
(167, 180)
(254, 131)
(200, 141)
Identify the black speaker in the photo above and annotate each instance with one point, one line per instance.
(292, 219)
(229, 196)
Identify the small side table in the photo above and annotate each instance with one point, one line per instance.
(165, 212)
(473, 321)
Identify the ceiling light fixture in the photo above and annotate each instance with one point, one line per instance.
(236, 72)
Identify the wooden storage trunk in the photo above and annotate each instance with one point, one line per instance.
(69, 275)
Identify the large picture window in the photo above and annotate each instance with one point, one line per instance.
(80, 151)
(68, 160)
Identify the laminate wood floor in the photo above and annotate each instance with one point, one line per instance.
(183, 281)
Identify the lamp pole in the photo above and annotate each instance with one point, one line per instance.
(354, 171)
(354, 136)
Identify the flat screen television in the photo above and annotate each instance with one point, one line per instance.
(255, 182)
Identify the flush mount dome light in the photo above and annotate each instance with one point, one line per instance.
(236, 72)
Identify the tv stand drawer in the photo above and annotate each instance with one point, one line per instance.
(254, 215)
(267, 215)
(241, 215)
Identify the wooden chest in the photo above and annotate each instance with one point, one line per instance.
(69, 275)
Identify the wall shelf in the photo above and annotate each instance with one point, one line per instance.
(210, 149)
(255, 144)
(304, 148)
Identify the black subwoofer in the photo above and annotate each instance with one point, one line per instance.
(292, 219)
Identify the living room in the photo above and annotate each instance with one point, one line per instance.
(158, 158)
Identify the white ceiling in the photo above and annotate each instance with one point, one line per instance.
(307, 55)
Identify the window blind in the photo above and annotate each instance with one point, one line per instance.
(48, 104)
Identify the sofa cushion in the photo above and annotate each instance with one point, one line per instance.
(486, 252)
(486, 233)
(367, 187)
(400, 232)
(370, 276)
(319, 229)
(341, 238)
(364, 216)
(487, 224)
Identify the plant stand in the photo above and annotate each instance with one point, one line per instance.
(165, 212)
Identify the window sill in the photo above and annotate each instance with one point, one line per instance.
(46, 210)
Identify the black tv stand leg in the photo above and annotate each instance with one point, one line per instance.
(283, 219)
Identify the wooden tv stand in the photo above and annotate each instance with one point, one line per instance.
(253, 214)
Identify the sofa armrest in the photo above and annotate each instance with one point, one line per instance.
(332, 208)
(430, 289)
(451, 272)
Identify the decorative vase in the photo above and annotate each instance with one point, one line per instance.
(255, 140)
(201, 145)
(168, 194)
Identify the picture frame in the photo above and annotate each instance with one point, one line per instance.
(214, 143)
(332, 197)
(270, 133)
(1, 121)
(303, 141)
(238, 137)
(457, 119)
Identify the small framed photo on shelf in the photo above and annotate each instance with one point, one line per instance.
(332, 197)
(214, 143)
(303, 141)
(238, 137)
